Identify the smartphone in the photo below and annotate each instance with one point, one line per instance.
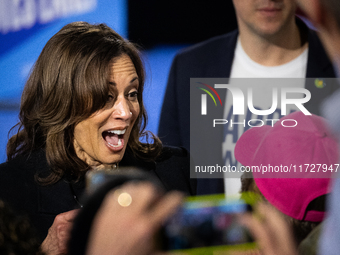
(98, 178)
(204, 225)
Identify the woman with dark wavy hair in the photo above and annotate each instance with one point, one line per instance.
(81, 108)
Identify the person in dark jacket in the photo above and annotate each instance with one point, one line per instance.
(81, 110)
(270, 42)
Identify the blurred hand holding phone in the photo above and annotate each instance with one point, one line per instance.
(202, 225)
(208, 225)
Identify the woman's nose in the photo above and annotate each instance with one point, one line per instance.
(122, 110)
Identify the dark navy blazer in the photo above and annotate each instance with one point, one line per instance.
(213, 59)
(42, 203)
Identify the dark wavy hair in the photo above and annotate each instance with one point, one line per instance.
(68, 83)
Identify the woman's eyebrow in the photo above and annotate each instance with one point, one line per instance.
(115, 84)
(135, 78)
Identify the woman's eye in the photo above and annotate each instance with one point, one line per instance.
(110, 98)
(133, 95)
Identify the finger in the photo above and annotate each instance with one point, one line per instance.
(259, 232)
(70, 215)
(165, 207)
(64, 238)
(275, 221)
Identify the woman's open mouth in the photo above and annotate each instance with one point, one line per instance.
(114, 139)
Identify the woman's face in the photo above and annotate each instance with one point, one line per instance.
(101, 139)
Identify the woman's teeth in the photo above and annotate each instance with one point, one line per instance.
(117, 145)
(114, 137)
(117, 132)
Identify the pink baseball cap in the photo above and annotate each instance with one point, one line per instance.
(296, 142)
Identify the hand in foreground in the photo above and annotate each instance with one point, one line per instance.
(128, 219)
(59, 234)
(270, 230)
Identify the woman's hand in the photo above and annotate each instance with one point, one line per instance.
(59, 234)
(128, 219)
